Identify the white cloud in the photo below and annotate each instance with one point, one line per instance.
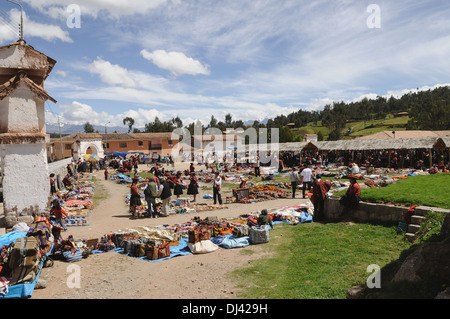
(112, 74)
(93, 8)
(79, 113)
(31, 28)
(176, 62)
(61, 73)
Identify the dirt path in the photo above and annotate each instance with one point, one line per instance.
(114, 275)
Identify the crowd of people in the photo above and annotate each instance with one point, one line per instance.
(167, 183)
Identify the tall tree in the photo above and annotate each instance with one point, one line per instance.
(130, 122)
(88, 128)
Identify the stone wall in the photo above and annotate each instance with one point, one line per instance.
(59, 167)
(372, 212)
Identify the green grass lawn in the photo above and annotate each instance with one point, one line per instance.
(427, 190)
(318, 261)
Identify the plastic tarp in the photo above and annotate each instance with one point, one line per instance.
(229, 241)
(19, 290)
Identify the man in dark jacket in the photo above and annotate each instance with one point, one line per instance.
(264, 219)
(150, 197)
(165, 196)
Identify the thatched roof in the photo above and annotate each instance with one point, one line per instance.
(381, 144)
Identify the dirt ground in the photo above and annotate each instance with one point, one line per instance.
(113, 275)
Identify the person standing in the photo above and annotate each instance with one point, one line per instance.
(135, 199)
(52, 184)
(319, 189)
(165, 196)
(217, 185)
(177, 185)
(106, 174)
(294, 180)
(257, 166)
(306, 179)
(193, 186)
(59, 213)
(150, 194)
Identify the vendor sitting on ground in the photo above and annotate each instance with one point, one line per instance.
(243, 183)
(353, 196)
(264, 219)
(66, 181)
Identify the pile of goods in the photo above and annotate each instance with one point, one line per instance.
(77, 202)
(261, 193)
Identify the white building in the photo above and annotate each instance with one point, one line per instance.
(26, 187)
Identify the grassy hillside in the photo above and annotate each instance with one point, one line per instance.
(358, 128)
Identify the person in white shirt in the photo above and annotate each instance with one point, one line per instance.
(306, 179)
(217, 184)
(294, 180)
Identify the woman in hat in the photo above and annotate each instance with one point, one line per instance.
(353, 195)
(193, 186)
(135, 199)
(178, 185)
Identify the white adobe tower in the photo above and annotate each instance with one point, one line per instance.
(23, 155)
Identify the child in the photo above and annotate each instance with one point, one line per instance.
(58, 212)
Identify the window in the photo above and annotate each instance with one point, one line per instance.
(123, 145)
(170, 142)
(68, 146)
(140, 143)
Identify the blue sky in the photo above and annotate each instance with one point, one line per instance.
(252, 59)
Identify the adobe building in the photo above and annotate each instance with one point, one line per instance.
(23, 153)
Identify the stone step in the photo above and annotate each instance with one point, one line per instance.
(412, 228)
(417, 219)
(410, 236)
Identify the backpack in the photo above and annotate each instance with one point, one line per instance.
(24, 260)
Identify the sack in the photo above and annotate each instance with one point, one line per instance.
(232, 242)
(24, 260)
(121, 237)
(196, 235)
(158, 251)
(132, 247)
(70, 256)
(240, 231)
(259, 235)
(202, 247)
(140, 249)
